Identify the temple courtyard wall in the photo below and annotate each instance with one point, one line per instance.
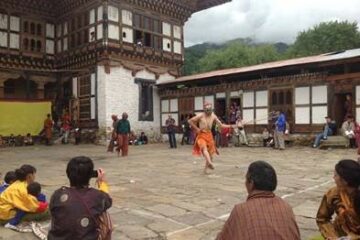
(161, 193)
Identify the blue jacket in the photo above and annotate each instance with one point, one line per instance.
(280, 123)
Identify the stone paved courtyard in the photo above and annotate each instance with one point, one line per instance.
(160, 193)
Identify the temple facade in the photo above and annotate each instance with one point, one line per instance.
(94, 58)
(305, 89)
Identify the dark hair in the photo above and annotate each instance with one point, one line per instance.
(263, 176)
(349, 171)
(79, 171)
(23, 171)
(34, 189)
(10, 177)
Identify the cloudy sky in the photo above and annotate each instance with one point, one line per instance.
(266, 20)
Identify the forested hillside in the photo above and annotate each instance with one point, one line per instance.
(322, 38)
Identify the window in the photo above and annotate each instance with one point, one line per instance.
(26, 44)
(169, 107)
(255, 106)
(146, 111)
(137, 21)
(310, 104)
(85, 95)
(38, 46)
(86, 36)
(157, 26)
(32, 28)
(26, 27)
(32, 45)
(39, 30)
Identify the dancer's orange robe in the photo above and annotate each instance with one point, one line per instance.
(204, 139)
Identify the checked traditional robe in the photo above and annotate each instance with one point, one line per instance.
(346, 222)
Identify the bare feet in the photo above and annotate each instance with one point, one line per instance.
(211, 166)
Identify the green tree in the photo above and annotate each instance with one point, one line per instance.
(325, 37)
(237, 54)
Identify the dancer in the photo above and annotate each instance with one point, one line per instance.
(204, 143)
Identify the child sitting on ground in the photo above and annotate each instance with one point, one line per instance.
(33, 189)
(12, 141)
(9, 178)
(28, 140)
(267, 137)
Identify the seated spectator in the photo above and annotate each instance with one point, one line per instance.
(329, 130)
(343, 201)
(267, 137)
(19, 140)
(28, 140)
(11, 141)
(16, 196)
(143, 139)
(80, 211)
(263, 215)
(9, 178)
(33, 189)
(132, 138)
(348, 130)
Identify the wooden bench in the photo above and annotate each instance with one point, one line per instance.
(334, 142)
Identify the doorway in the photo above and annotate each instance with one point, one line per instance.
(220, 108)
(339, 108)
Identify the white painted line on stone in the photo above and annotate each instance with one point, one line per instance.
(306, 190)
(225, 216)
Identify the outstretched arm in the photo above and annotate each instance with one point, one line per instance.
(219, 123)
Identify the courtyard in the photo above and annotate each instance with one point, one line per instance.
(161, 193)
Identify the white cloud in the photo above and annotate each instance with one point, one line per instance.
(266, 20)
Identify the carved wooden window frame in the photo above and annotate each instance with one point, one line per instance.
(146, 103)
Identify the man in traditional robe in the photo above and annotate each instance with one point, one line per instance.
(48, 125)
(204, 143)
(123, 130)
(348, 130)
(113, 133)
(263, 216)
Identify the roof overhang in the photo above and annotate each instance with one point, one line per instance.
(205, 4)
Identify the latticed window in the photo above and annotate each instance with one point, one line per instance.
(84, 97)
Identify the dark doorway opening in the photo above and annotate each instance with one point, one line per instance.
(339, 108)
(220, 108)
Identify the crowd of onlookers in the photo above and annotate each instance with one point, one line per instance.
(16, 141)
(80, 211)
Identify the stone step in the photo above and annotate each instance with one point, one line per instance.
(335, 141)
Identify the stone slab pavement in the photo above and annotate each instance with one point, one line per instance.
(161, 193)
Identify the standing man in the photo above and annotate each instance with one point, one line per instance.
(48, 125)
(240, 132)
(123, 130)
(264, 216)
(113, 133)
(204, 143)
(171, 128)
(280, 127)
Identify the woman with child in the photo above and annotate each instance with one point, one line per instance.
(16, 201)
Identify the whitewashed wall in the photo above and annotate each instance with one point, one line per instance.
(118, 93)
